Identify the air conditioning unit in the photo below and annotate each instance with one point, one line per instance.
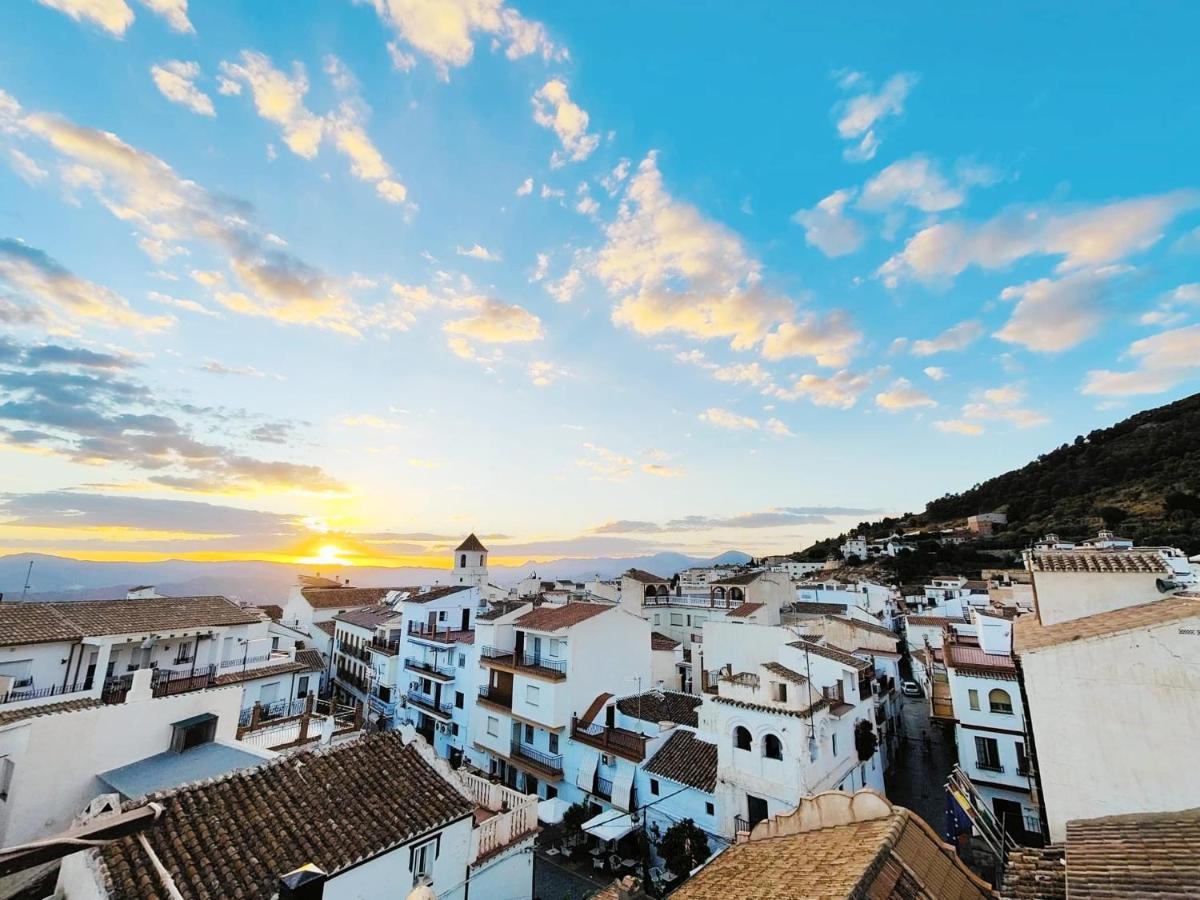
(414, 685)
(608, 759)
(443, 727)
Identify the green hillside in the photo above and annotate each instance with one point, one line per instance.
(1140, 477)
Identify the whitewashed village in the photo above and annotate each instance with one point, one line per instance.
(780, 728)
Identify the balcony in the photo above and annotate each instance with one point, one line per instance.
(741, 824)
(514, 817)
(545, 765)
(348, 679)
(602, 788)
(527, 663)
(354, 652)
(429, 705)
(989, 766)
(424, 632)
(427, 667)
(495, 698)
(624, 743)
(381, 706)
(26, 691)
(385, 648)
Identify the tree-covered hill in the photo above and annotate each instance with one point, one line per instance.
(1140, 477)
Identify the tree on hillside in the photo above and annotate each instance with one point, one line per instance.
(684, 847)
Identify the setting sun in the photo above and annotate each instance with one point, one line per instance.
(327, 555)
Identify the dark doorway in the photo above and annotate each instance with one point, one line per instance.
(466, 619)
(756, 809)
(1008, 812)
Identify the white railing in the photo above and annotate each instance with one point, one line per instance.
(516, 815)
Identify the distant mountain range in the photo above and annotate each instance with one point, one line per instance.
(61, 578)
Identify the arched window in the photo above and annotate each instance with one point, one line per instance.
(462, 561)
(663, 590)
(719, 593)
(650, 592)
(736, 595)
(999, 701)
(741, 738)
(772, 747)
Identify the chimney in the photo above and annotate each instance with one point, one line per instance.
(305, 883)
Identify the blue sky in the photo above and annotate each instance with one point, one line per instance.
(588, 278)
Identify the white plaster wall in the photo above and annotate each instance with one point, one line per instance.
(58, 756)
(506, 877)
(1061, 596)
(388, 876)
(1116, 722)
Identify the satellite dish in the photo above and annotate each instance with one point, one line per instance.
(1165, 586)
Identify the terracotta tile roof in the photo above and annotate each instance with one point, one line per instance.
(744, 578)
(434, 593)
(235, 836)
(552, 618)
(784, 672)
(305, 661)
(933, 620)
(471, 545)
(311, 659)
(33, 623)
(817, 609)
(662, 706)
(778, 710)
(1098, 561)
(967, 659)
(1033, 873)
(868, 626)
(328, 626)
(1030, 635)
(686, 759)
(1147, 855)
(8, 716)
(273, 611)
(744, 610)
(830, 652)
(367, 616)
(660, 641)
(646, 577)
(347, 597)
(500, 608)
(894, 856)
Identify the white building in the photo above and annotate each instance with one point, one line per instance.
(1108, 661)
(92, 648)
(55, 758)
(855, 547)
(385, 817)
(798, 571)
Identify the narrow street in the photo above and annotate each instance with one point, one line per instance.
(552, 881)
(917, 780)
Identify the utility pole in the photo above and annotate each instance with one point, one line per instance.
(28, 573)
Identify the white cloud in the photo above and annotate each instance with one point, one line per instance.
(566, 288)
(542, 267)
(495, 322)
(613, 180)
(902, 395)
(958, 426)
(861, 115)
(115, 16)
(176, 80)
(525, 188)
(174, 12)
(937, 373)
(828, 228)
(1084, 237)
(1053, 315)
(673, 269)
(1168, 311)
(1163, 361)
(609, 465)
(478, 251)
(554, 109)
(543, 373)
(957, 337)
(999, 404)
(743, 373)
(840, 390)
(914, 182)
(776, 427)
(724, 418)
(26, 168)
(444, 32)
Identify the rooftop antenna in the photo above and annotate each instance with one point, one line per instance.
(28, 573)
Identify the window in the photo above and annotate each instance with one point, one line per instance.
(421, 857)
(779, 691)
(1022, 759)
(462, 660)
(987, 754)
(454, 729)
(426, 686)
(493, 726)
(553, 743)
(301, 685)
(741, 738)
(657, 617)
(772, 747)
(532, 694)
(441, 615)
(654, 786)
(1000, 702)
(689, 621)
(6, 775)
(708, 809)
(676, 618)
(462, 561)
(555, 648)
(833, 743)
(973, 698)
(193, 732)
(529, 735)
(458, 700)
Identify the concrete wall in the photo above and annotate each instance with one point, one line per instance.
(1117, 737)
(57, 757)
(388, 876)
(1061, 596)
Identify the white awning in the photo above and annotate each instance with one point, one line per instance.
(623, 783)
(551, 811)
(585, 777)
(609, 826)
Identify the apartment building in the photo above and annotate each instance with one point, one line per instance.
(1107, 661)
(388, 815)
(542, 669)
(91, 649)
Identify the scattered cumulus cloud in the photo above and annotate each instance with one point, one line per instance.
(478, 251)
(957, 337)
(115, 16)
(554, 109)
(176, 80)
(1052, 315)
(936, 373)
(860, 117)
(902, 395)
(840, 390)
(828, 228)
(1162, 361)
